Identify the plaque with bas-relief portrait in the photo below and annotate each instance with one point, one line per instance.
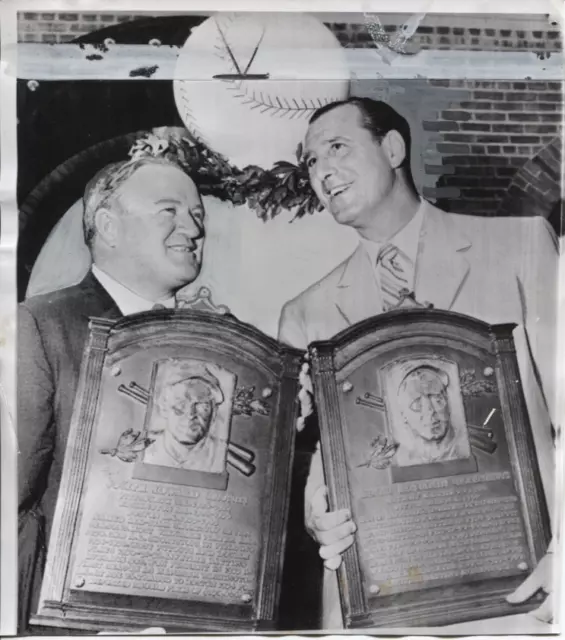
(425, 438)
(181, 440)
(188, 423)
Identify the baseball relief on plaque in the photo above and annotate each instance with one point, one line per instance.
(181, 441)
(425, 438)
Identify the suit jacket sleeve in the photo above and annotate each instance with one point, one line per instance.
(35, 411)
(536, 340)
(538, 281)
(292, 326)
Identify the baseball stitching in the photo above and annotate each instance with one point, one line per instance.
(265, 103)
(189, 119)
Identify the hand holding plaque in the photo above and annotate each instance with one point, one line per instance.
(332, 530)
(425, 439)
(539, 580)
(335, 532)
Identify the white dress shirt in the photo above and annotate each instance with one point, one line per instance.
(128, 302)
(407, 240)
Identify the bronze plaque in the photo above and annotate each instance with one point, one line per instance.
(173, 501)
(425, 438)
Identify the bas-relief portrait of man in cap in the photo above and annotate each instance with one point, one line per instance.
(426, 413)
(189, 416)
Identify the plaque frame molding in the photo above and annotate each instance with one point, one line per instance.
(110, 341)
(332, 361)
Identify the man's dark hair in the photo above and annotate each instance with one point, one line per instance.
(378, 118)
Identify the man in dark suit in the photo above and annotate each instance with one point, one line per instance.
(143, 224)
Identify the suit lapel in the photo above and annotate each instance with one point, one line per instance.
(97, 301)
(442, 267)
(357, 296)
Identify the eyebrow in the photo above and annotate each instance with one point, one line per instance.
(197, 209)
(168, 201)
(308, 153)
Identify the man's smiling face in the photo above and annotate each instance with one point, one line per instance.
(349, 170)
(162, 227)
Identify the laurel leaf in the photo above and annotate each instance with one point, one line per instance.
(266, 191)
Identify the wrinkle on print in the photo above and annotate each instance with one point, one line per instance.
(64, 258)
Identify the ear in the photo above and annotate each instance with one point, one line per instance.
(394, 147)
(107, 226)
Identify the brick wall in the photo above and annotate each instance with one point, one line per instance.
(64, 27)
(467, 38)
(471, 33)
(481, 147)
(485, 141)
(536, 187)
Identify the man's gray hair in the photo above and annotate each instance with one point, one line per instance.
(102, 190)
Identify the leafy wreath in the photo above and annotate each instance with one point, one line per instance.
(265, 191)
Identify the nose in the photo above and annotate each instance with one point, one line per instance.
(324, 168)
(187, 223)
(428, 408)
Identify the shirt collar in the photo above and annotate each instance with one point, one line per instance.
(406, 239)
(127, 301)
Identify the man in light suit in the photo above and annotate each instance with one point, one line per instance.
(496, 269)
(143, 223)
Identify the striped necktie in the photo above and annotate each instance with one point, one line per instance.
(393, 269)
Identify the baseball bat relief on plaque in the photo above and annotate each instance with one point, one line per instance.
(174, 495)
(425, 437)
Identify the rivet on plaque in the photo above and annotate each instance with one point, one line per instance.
(116, 371)
(267, 392)
(246, 597)
(374, 589)
(347, 386)
(488, 371)
(32, 85)
(80, 582)
(523, 566)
